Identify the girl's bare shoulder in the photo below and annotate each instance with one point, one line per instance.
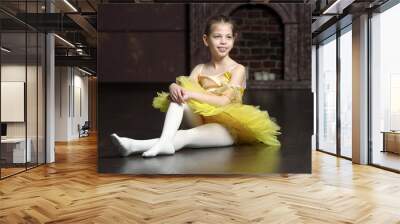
(238, 68)
(197, 69)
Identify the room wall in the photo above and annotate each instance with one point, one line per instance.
(70, 84)
(79, 117)
(16, 73)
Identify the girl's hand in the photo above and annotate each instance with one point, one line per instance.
(176, 93)
(187, 95)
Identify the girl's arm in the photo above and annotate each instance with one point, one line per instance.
(176, 92)
(238, 76)
(207, 98)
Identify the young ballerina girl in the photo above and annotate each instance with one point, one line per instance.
(210, 100)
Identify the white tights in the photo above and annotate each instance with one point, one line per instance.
(172, 139)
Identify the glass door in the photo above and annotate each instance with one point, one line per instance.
(326, 91)
(22, 88)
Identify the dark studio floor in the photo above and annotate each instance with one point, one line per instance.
(126, 109)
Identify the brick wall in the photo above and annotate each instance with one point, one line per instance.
(260, 44)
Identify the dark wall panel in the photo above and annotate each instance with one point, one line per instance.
(142, 42)
(141, 17)
(141, 56)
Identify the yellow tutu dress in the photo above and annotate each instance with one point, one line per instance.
(247, 124)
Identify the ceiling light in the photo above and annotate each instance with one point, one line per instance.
(65, 41)
(5, 50)
(86, 72)
(70, 5)
(338, 6)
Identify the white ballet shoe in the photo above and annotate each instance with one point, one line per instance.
(160, 149)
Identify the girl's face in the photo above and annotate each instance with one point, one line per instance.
(220, 41)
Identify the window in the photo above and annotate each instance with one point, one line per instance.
(346, 92)
(385, 85)
(327, 95)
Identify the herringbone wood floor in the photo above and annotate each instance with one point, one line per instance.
(71, 191)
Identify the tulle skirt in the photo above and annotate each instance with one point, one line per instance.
(246, 123)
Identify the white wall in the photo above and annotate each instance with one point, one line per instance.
(16, 73)
(81, 84)
(71, 93)
(61, 103)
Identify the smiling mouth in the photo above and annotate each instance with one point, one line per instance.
(222, 49)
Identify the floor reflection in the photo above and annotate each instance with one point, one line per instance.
(243, 159)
